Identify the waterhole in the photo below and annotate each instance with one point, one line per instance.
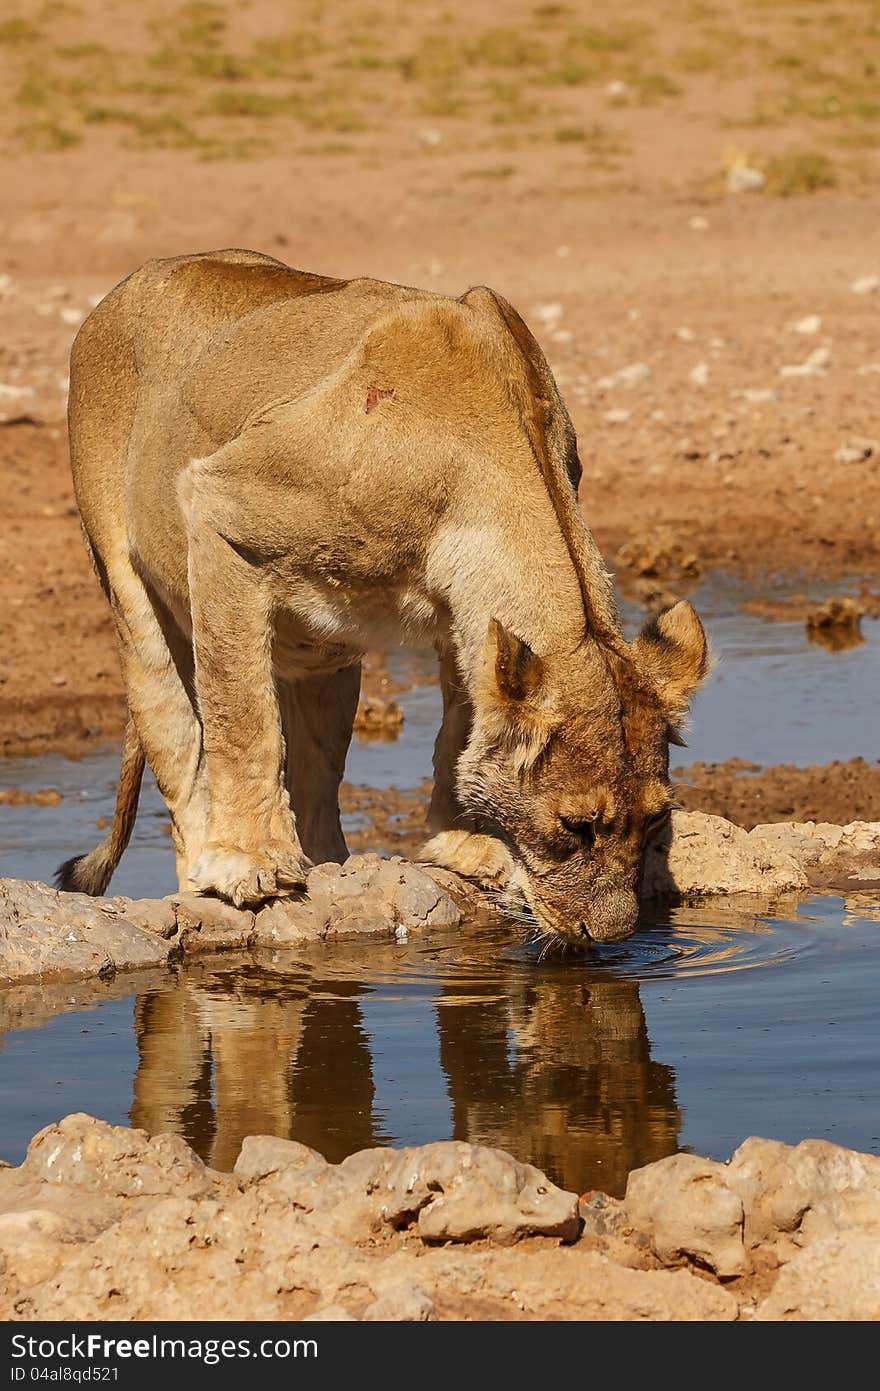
(708, 1026)
(714, 1022)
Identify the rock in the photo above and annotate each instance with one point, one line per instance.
(856, 449)
(633, 375)
(617, 90)
(699, 853)
(63, 936)
(369, 891)
(149, 914)
(756, 395)
(287, 922)
(100, 1222)
(430, 137)
(812, 1189)
(378, 717)
(816, 365)
(31, 1245)
(699, 375)
(839, 613)
(51, 935)
(837, 1279)
(262, 1155)
(660, 555)
(687, 1210)
(698, 224)
(865, 285)
(617, 416)
(741, 178)
(85, 1153)
(548, 314)
(404, 1302)
(450, 1190)
(208, 924)
(811, 323)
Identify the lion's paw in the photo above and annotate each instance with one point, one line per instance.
(246, 878)
(482, 858)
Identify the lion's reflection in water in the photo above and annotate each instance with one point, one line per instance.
(553, 1065)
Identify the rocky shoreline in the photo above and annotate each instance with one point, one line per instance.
(101, 1222)
(46, 935)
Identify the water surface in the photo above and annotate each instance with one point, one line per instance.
(714, 1023)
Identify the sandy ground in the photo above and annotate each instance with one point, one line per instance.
(577, 163)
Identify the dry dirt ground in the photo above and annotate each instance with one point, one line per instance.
(577, 159)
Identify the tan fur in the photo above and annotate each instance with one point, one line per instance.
(276, 471)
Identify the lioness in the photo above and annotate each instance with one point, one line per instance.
(278, 470)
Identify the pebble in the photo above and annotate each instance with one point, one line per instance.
(699, 375)
(430, 137)
(562, 335)
(5, 285)
(816, 364)
(810, 324)
(71, 316)
(617, 90)
(548, 313)
(618, 416)
(756, 394)
(699, 224)
(563, 251)
(865, 285)
(741, 178)
(633, 374)
(686, 335)
(856, 450)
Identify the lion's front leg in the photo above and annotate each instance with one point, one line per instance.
(251, 850)
(457, 843)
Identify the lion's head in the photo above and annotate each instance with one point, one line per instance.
(568, 764)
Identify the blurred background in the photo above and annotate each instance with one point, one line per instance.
(681, 198)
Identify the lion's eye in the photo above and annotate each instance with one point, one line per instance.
(656, 822)
(582, 827)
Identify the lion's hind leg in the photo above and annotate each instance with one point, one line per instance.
(318, 715)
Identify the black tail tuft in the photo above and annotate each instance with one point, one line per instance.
(84, 874)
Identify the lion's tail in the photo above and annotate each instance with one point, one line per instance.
(91, 873)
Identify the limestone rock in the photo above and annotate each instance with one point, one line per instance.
(369, 891)
(404, 1302)
(208, 924)
(450, 1190)
(687, 1209)
(262, 1155)
(811, 1190)
(705, 854)
(837, 1278)
(86, 1153)
(48, 934)
(331, 1313)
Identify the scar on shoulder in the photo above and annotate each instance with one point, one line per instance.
(377, 394)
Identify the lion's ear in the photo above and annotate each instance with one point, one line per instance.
(512, 672)
(673, 652)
